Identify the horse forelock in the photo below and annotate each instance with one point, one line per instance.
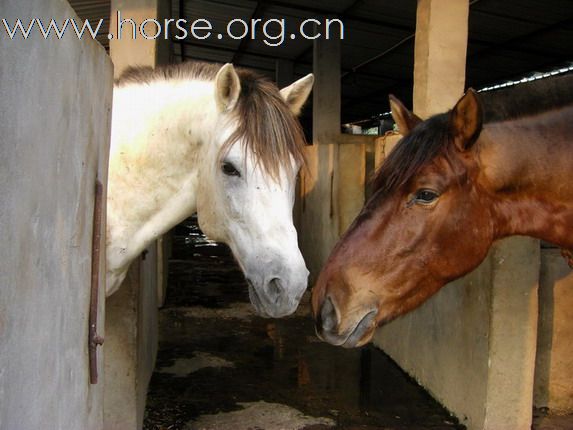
(424, 143)
(266, 127)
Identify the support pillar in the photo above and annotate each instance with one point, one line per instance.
(326, 91)
(139, 51)
(440, 55)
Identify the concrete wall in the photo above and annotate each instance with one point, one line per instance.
(553, 370)
(131, 345)
(332, 194)
(55, 101)
(121, 379)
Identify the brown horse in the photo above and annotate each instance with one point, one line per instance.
(450, 188)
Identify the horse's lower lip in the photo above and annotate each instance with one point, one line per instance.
(358, 336)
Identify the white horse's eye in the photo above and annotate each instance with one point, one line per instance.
(229, 169)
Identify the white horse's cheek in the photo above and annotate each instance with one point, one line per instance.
(270, 222)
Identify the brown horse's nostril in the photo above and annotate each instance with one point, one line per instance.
(328, 317)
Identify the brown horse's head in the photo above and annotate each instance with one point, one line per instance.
(427, 223)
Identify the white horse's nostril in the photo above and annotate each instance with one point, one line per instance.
(273, 298)
(274, 289)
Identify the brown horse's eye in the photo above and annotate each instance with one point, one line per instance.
(425, 196)
(229, 170)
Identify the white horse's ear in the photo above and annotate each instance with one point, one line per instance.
(295, 94)
(227, 88)
(405, 119)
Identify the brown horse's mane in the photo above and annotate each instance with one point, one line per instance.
(266, 125)
(425, 142)
(430, 138)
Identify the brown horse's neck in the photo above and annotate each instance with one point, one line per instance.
(527, 165)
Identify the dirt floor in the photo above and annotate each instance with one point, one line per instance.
(222, 367)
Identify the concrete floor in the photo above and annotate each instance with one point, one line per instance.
(222, 367)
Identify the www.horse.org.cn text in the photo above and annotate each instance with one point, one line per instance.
(273, 31)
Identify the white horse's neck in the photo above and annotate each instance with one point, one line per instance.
(158, 130)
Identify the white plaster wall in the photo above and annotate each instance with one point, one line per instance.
(55, 101)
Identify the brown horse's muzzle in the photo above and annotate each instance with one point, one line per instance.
(352, 331)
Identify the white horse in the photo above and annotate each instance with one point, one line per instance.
(219, 141)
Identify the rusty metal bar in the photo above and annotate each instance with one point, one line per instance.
(93, 338)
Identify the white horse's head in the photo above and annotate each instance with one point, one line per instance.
(247, 182)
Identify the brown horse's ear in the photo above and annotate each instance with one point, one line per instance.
(466, 120)
(405, 119)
